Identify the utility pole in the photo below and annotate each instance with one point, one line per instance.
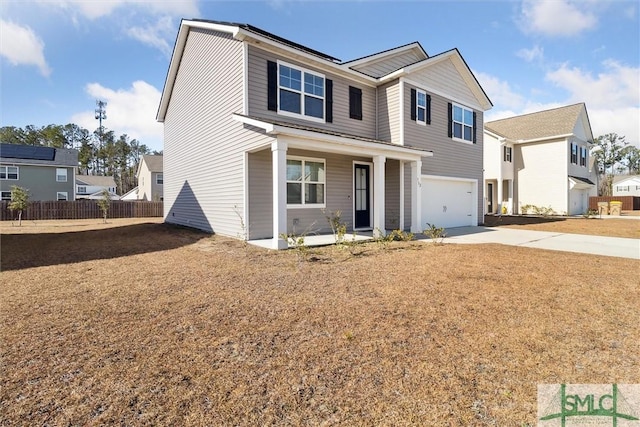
(101, 114)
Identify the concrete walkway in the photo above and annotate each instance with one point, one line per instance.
(580, 243)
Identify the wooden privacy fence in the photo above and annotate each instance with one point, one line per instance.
(82, 209)
(629, 203)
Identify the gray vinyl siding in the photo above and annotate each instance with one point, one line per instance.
(40, 181)
(445, 77)
(257, 89)
(389, 63)
(260, 221)
(204, 146)
(392, 194)
(450, 157)
(388, 112)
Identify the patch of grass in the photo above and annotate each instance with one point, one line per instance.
(629, 228)
(200, 330)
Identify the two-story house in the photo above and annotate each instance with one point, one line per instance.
(150, 178)
(48, 173)
(92, 186)
(540, 159)
(264, 136)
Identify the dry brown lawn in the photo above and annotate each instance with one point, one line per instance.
(140, 323)
(629, 228)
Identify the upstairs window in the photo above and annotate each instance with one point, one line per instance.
(507, 154)
(300, 92)
(420, 106)
(583, 156)
(159, 179)
(574, 154)
(9, 172)
(61, 174)
(294, 91)
(305, 182)
(462, 123)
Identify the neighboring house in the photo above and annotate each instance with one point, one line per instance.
(264, 136)
(48, 173)
(130, 195)
(626, 185)
(150, 178)
(540, 159)
(91, 187)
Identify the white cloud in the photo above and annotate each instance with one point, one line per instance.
(557, 17)
(131, 111)
(98, 9)
(148, 21)
(536, 53)
(21, 46)
(499, 91)
(617, 86)
(155, 35)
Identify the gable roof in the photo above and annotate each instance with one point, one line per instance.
(382, 63)
(556, 122)
(622, 178)
(95, 180)
(38, 155)
(153, 162)
(249, 33)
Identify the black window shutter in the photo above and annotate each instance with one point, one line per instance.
(355, 103)
(450, 127)
(329, 101)
(413, 104)
(474, 127)
(272, 86)
(428, 109)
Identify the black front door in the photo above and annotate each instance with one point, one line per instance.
(362, 203)
(490, 197)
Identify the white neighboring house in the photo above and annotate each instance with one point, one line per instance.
(626, 185)
(91, 187)
(130, 195)
(540, 159)
(150, 178)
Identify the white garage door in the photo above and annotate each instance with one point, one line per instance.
(448, 203)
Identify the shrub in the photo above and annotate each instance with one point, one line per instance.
(436, 234)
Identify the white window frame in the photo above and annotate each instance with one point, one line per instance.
(59, 173)
(65, 195)
(302, 93)
(583, 156)
(421, 107)
(507, 154)
(4, 173)
(4, 197)
(160, 179)
(454, 121)
(304, 205)
(574, 146)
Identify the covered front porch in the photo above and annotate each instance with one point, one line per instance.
(305, 177)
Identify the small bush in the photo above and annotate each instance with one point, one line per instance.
(436, 234)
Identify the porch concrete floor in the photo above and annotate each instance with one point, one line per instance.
(319, 239)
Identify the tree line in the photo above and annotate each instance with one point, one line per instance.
(614, 156)
(99, 152)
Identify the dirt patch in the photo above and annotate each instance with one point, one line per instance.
(204, 330)
(629, 228)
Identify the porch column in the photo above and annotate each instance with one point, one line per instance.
(378, 195)
(510, 208)
(416, 197)
(401, 221)
(279, 161)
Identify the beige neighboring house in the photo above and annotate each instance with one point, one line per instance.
(626, 185)
(91, 187)
(540, 159)
(150, 178)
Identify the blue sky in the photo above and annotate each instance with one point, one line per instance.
(57, 57)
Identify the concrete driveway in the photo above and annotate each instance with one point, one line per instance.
(595, 245)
